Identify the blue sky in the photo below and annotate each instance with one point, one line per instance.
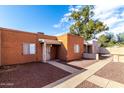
(53, 20)
(32, 18)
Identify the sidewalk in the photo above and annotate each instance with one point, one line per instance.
(105, 83)
(64, 67)
(76, 80)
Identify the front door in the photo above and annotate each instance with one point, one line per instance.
(48, 48)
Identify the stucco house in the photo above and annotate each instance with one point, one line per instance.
(91, 49)
(18, 47)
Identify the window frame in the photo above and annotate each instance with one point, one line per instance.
(32, 45)
(27, 49)
(76, 48)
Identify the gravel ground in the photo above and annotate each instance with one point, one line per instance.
(82, 63)
(113, 71)
(79, 64)
(87, 84)
(31, 75)
(65, 63)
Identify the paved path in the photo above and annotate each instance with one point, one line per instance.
(64, 67)
(76, 80)
(105, 83)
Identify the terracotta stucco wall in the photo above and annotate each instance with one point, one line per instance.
(66, 50)
(12, 46)
(72, 41)
(62, 53)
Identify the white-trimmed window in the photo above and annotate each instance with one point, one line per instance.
(32, 48)
(29, 48)
(25, 48)
(76, 48)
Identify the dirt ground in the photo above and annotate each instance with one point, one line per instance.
(87, 84)
(30, 75)
(82, 63)
(113, 71)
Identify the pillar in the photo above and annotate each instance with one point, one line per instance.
(44, 52)
(97, 57)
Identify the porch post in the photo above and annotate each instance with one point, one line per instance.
(44, 52)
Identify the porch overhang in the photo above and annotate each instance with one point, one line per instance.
(48, 41)
(45, 43)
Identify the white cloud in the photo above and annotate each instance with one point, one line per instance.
(71, 8)
(118, 29)
(110, 21)
(74, 8)
(112, 15)
(57, 26)
(67, 14)
(64, 21)
(122, 15)
(104, 8)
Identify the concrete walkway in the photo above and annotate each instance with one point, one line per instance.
(76, 80)
(64, 67)
(105, 83)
